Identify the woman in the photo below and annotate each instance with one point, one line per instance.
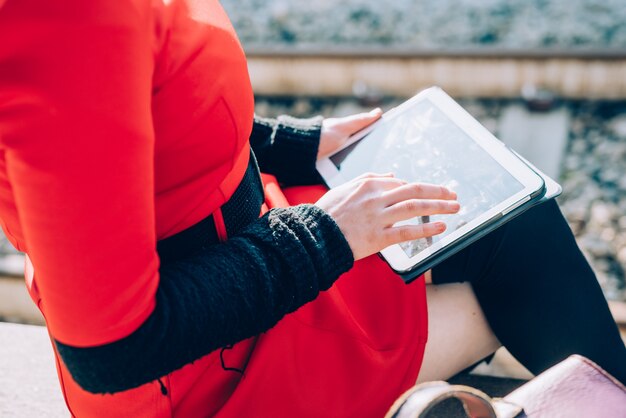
(128, 180)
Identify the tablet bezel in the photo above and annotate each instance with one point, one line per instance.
(532, 183)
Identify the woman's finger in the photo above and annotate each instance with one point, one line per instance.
(375, 187)
(336, 131)
(418, 191)
(412, 208)
(355, 123)
(365, 117)
(371, 175)
(403, 233)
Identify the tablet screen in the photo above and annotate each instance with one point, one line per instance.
(438, 152)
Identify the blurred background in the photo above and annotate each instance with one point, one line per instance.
(547, 77)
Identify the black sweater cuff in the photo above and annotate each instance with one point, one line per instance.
(220, 296)
(287, 147)
(327, 246)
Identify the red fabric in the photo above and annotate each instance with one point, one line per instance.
(349, 353)
(274, 196)
(119, 123)
(125, 122)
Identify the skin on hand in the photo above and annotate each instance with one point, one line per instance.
(367, 208)
(336, 131)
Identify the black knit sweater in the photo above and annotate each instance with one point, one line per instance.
(287, 147)
(234, 290)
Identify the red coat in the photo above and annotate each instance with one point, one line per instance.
(126, 122)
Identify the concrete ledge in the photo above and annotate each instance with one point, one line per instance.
(15, 303)
(461, 76)
(28, 379)
(29, 385)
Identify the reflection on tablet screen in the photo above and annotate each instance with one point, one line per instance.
(424, 145)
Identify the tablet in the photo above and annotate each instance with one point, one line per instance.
(432, 139)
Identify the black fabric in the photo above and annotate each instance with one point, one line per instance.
(538, 292)
(189, 241)
(223, 294)
(287, 148)
(243, 207)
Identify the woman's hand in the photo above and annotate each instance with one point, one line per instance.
(336, 131)
(367, 207)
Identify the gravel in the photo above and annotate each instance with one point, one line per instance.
(424, 24)
(593, 172)
(594, 182)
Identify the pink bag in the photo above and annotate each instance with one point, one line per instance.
(576, 387)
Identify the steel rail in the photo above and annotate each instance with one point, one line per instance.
(400, 71)
(396, 51)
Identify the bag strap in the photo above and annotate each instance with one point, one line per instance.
(422, 398)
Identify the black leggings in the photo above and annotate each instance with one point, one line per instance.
(538, 292)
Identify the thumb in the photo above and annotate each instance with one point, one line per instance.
(361, 120)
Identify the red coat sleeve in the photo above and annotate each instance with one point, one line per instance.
(77, 183)
(76, 133)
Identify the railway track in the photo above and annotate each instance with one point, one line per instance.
(581, 74)
(393, 71)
